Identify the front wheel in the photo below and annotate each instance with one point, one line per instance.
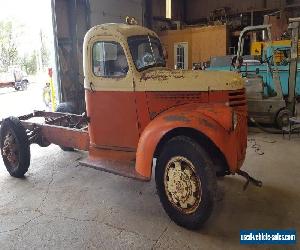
(15, 147)
(185, 182)
(282, 118)
(24, 85)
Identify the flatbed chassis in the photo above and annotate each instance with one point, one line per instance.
(63, 129)
(71, 131)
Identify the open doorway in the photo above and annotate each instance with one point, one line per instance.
(181, 55)
(26, 49)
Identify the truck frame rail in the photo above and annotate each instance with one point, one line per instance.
(63, 129)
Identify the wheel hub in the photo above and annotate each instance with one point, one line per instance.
(10, 149)
(182, 185)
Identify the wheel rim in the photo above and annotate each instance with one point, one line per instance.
(10, 149)
(182, 185)
(283, 118)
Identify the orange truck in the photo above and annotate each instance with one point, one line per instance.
(186, 126)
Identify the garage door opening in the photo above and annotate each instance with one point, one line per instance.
(26, 49)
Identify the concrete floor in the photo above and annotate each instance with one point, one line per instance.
(61, 205)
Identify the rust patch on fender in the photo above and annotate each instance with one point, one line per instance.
(176, 118)
(207, 123)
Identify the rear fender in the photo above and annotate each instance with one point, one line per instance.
(215, 123)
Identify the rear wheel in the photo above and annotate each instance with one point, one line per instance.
(15, 147)
(186, 182)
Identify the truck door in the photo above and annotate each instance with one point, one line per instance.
(110, 98)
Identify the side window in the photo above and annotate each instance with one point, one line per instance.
(109, 60)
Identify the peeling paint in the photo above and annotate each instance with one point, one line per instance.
(177, 118)
(206, 123)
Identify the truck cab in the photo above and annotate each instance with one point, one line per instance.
(140, 110)
(130, 94)
(186, 126)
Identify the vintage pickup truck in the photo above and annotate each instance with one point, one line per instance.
(15, 78)
(137, 110)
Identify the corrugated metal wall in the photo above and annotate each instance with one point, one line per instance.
(115, 11)
(72, 19)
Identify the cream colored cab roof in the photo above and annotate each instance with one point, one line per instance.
(157, 79)
(118, 30)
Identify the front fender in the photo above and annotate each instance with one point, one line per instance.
(215, 122)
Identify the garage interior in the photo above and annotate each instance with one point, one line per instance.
(60, 204)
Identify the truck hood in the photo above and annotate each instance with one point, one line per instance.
(189, 80)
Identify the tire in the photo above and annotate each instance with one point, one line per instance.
(15, 147)
(66, 107)
(24, 85)
(282, 118)
(197, 181)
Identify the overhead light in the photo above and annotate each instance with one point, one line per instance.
(169, 9)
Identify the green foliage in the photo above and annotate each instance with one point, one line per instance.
(45, 55)
(10, 36)
(8, 46)
(29, 63)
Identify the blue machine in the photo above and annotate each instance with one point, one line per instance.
(272, 82)
(264, 69)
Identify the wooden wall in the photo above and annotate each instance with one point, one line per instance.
(204, 42)
(170, 37)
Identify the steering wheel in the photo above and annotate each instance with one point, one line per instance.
(147, 59)
(125, 70)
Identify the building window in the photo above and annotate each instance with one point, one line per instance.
(180, 57)
(169, 9)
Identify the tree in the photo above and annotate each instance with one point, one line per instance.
(11, 35)
(44, 50)
(29, 63)
(8, 46)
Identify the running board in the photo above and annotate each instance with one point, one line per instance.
(122, 168)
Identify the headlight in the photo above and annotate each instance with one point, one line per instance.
(234, 120)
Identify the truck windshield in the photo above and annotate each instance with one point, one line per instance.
(146, 52)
